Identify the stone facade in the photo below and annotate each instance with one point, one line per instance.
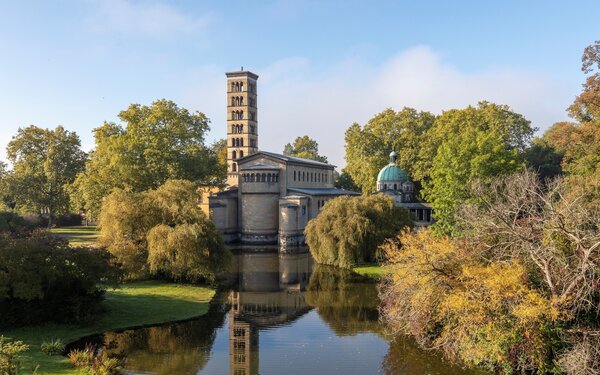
(270, 197)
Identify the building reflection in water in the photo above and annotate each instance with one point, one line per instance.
(268, 291)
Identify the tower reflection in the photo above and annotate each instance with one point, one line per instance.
(269, 291)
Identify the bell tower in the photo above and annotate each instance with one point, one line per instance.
(242, 120)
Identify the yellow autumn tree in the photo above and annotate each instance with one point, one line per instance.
(476, 312)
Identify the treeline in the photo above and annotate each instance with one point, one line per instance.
(51, 175)
(140, 184)
(508, 278)
(43, 279)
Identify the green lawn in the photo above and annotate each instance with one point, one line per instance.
(372, 270)
(78, 236)
(135, 304)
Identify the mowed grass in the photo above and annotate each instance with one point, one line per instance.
(371, 270)
(78, 236)
(134, 304)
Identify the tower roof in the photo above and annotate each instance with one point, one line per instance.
(242, 73)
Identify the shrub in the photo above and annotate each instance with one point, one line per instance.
(478, 313)
(349, 229)
(71, 219)
(82, 358)
(94, 362)
(10, 356)
(52, 347)
(43, 279)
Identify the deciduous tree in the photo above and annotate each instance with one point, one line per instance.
(44, 163)
(304, 147)
(156, 143)
(477, 142)
(368, 147)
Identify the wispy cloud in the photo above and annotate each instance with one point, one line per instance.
(323, 106)
(152, 19)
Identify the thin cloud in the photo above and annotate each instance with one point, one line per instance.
(152, 19)
(296, 104)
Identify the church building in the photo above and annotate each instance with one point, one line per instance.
(394, 181)
(270, 197)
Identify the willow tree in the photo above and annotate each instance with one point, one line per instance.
(348, 230)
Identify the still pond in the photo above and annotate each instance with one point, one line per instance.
(277, 314)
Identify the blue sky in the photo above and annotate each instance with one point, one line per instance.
(322, 64)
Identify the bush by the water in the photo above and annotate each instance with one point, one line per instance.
(43, 279)
(162, 233)
(349, 229)
(11, 356)
(517, 293)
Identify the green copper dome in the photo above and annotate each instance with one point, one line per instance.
(392, 172)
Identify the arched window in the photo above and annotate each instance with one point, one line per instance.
(234, 167)
(384, 186)
(241, 154)
(252, 177)
(241, 86)
(234, 155)
(232, 142)
(242, 142)
(395, 187)
(264, 177)
(241, 128)
(303, 176)
(269, 177)
(277, 177)
(242, 100)
(318, 177)
(294, 175)
(241, 113)
(232, 86)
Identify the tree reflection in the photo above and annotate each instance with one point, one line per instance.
(405, 357)
(346, 301)
(181, 348)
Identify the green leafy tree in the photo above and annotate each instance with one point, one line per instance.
(544, 159)
(345, 181)
(156, 143)
(304, 147)
(368, 147)
(44, 163)
(349, 229)
(474, 143)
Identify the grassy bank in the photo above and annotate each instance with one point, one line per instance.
(135, 304)
(78, 236)
(373, 270)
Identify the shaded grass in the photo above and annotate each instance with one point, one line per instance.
(135, 304)
(78, 236)
(372, 270)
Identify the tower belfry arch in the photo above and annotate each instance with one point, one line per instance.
(242, 120)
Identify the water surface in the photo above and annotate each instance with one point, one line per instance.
(278, 314)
